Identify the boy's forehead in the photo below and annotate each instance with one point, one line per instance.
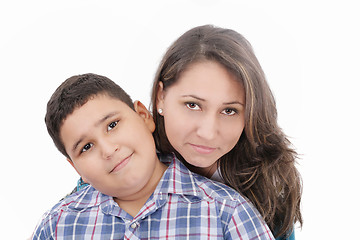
(99, 105)
(97, 109)
(92, 114)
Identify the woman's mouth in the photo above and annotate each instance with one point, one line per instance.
(202, 149)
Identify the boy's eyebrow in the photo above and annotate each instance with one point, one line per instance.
(107, 116)
(201, 99)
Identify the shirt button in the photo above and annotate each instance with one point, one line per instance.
(134, 225)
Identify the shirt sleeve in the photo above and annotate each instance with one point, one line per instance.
(39, 234)
(44, 227)
(246, 223)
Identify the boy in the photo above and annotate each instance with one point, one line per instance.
(132, 195)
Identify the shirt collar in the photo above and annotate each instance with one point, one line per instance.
(177, 179)
(86, 198)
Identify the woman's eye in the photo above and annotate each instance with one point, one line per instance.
(86, 147)
(229, 112)
(193, 106)
(112, 125)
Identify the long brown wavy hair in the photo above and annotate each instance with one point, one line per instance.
(262, 164)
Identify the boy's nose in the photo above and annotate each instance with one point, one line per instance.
(208, 127)
(108, 149)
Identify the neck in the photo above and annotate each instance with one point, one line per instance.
(204, 171)
(134, 203)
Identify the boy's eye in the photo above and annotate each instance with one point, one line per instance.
(86, 147)
(112, 125)
(193, 106)
(229, 112)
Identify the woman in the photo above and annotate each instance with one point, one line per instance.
(213, 107)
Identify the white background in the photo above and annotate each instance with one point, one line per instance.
(309, 51)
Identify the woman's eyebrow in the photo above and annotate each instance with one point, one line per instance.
(193, 96)
(202, 99)
(234, 102)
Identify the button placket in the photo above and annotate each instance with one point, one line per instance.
(134, 225)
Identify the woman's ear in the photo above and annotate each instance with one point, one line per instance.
(145, 115)
(72, 164)
(160, 96)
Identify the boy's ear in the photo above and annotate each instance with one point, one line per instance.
(160, 96)
(145, 114)
(72, 164)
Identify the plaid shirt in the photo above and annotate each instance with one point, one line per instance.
(183, 206)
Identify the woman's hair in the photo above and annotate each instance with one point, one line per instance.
(262, 164)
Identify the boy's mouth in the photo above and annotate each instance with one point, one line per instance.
(121, 164)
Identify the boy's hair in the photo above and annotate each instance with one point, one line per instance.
(73, 93)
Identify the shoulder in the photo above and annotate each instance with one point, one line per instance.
(240, 219)
(179, 179)
(47, 225)
(217, 190)
(73, 203)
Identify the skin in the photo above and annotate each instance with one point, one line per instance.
(102, 140)
(203, 114)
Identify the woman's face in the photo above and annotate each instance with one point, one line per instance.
(203, 114)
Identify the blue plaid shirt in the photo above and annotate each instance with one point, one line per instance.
(183, 206)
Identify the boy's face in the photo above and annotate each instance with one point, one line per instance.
(110, 145)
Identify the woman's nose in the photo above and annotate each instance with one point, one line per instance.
(207, 127)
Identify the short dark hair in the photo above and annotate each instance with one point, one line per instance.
(73, 93)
